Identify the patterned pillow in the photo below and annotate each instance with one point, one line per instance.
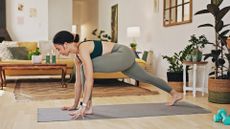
(19, 53)
(4, 52)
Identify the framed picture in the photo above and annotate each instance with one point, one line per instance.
(33, 12)
(156, 6)
(114, 23)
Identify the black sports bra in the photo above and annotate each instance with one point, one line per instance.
(97, 51)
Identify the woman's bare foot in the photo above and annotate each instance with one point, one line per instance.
(175, 98)
(89, 108)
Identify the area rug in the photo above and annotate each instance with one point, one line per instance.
(123, 111)
(51, 89)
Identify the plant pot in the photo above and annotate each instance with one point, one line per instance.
(134, 48)
(228, 43)
(36, 59)
(219, 91)
(188, 58)
(196, 55)
(178, 86)
(175, 80)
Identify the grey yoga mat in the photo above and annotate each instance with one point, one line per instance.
(123, 111)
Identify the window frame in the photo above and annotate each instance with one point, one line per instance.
(171, 7)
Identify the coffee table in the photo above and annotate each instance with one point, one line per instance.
(7, 66)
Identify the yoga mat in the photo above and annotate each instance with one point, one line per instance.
(123, 111)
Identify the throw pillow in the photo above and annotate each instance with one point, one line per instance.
(19, 53)
(4, 52)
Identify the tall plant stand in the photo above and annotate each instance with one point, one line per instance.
(194, 88)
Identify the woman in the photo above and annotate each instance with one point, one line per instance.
(100, 56)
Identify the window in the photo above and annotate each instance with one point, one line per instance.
(177, 12)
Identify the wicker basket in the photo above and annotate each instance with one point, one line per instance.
(219, 91)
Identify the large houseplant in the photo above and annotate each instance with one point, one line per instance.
(175, 70)
(219, 81)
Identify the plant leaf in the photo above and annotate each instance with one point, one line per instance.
(222, 13)
(221, 62)
(217, 2)
(202, 12)
(212, 73)
(213, 9)
(206, 56)
(219, 26)
(224, 33)
(228, 56)
(226, 25)
(215, 53)
(205, 25)
(211, 43)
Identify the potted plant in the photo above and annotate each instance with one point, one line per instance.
(196, 44)
(175, 70)
(101, 35)
(133, 46)
(219, 80)
(35, 56)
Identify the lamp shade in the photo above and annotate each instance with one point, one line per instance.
(74, 29)
(133, 31)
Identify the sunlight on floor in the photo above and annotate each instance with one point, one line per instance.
(2, 92)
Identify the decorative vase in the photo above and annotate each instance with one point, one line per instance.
(133, 48)
(188, 57)
(36, 59)
(196, 55)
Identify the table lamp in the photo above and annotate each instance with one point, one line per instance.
(133, 32)
(74, 29)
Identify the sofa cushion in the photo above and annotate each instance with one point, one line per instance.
(30, 46)
(20, 53)
(4, 52)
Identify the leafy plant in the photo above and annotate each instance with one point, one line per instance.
(198, 42)
(221, 54)
(175, 61)
(36, 52)
(101, 35)
(133, 45)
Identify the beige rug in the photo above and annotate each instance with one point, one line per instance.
(51, 89)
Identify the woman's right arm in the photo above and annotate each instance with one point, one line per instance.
(77, 86)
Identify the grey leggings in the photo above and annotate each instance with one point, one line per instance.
(122, 59)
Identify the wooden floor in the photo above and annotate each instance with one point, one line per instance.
(23, 114)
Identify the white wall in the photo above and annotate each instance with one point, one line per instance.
(52, 16)
(154, 36)
(33, 28)
(59, 16)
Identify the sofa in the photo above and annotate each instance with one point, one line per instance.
(46, 47)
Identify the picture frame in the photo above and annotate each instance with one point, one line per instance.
(114, 23)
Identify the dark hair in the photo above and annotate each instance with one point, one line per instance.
(65, 36)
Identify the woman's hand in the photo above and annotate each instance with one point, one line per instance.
(69, 108)
(79, 113)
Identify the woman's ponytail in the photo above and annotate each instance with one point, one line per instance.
(76, 38)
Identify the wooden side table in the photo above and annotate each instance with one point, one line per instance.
(4, 66)
(193, 88)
